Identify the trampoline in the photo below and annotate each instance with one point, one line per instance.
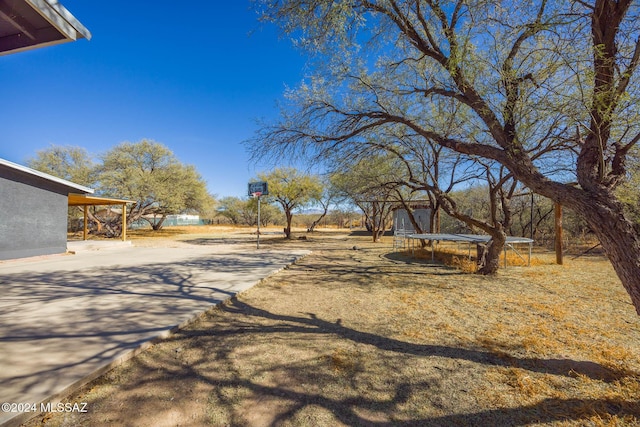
(472, 239)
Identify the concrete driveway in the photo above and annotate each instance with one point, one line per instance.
(65, 319)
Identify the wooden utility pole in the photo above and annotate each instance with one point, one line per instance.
(124, 222)
(531, 214)
(558, 222)
(85, 227)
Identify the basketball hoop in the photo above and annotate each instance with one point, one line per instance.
(257, 189)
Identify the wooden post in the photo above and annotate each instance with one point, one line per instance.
(85, 225)
(531, 213)
(558, 222)
(124, 222)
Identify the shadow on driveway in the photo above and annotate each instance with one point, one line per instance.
(64, 318)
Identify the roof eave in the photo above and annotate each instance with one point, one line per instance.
(64, 28)
(86, 200)
(60, 18)
(24, 169)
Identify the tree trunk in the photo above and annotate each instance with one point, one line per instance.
(490, 259)
(93, 218)
(379, 220)
(374, 223)
(605, 216)
(621, 243)
(287, 230)
(158, 225)
(368, 225)
(317, 221)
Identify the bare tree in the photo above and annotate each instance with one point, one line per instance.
(544, 88)
(325, 199)
(370, 183)
(438, 175)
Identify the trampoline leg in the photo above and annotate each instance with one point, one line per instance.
(505, 256)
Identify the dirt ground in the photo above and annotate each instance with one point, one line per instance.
(367, 336)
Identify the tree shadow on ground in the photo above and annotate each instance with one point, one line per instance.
(75, 321)
(266, 241)
(255, 324)
(403, 258)
(365, 233)
(214, 241)
(546, 411)
(314, 325)
(344, 269)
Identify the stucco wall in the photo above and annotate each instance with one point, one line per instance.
(33, 216)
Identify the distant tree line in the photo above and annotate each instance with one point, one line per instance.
(360, 193)
(146, 172)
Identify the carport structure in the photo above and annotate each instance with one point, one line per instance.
(86, 200)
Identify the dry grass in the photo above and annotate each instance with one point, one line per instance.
(465, 260)
(370, 337)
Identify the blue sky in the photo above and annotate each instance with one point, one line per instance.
(194, 76)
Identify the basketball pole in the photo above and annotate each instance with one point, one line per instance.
(258, 231)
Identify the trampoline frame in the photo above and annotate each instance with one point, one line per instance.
(471, 238)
